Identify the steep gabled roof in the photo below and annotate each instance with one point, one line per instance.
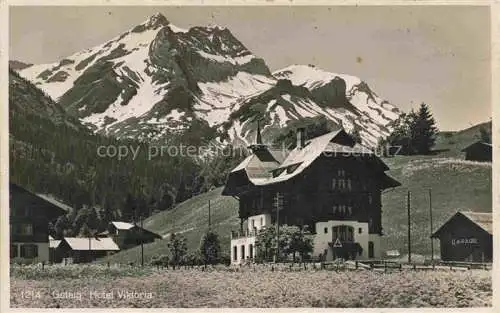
(128, 226)
(300, 158)
(92, 244)
(264, 166)
(57, 208)
(122, 225)
(54, 243)
(482, 220)
(55, 202)
(486, 145)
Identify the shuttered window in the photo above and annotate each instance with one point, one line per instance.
(24, 229)
(13, 251)
(29, 251)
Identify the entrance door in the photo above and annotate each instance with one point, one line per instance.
(371, 249)
(345, 235)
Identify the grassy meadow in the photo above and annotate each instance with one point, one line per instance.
(82, 286)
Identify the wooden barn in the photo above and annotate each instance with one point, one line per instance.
(127, 235)
(329, 183)
(82, 250)
(30, 215)
(466, 236)
(478, 151)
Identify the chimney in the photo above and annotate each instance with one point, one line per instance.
(258, 137)
(301, 138)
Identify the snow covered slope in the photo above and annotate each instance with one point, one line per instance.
(158, 79)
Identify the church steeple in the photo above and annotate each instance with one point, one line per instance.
(258, 145)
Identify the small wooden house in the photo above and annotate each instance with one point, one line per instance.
(127, 235)
(30, 215)
(82, 250)
(466, 236)
(478, 151)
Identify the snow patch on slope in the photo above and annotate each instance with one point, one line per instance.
(312, 77)
(219, 99)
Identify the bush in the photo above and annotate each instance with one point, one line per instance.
(162, 260)
(23, 261)
(225, 259)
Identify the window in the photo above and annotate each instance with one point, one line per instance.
(24, 211)
(349, 184)
(341, 183)
(326, 230)
(24, 229)
(360, 230)
(370, 198)
(341, 173)
(292, 168)
(342, 210)
(29, 251)
(250, 250)
(242, 252)
(343, 232)
(334, 184)
(253, 224)
(235, 253)
(13, 251)
(278, 201)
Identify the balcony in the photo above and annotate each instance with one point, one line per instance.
(246, 233)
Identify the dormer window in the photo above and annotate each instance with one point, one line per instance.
(292, 168)
(278, 172)
(342, 210)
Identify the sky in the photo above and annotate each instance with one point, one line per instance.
(439, 55)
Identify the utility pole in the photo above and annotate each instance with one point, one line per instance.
(409, 229)
(430, 213)
(278, 206)
(278, 230)
(142, 242)
(209, 221)
(90, 250)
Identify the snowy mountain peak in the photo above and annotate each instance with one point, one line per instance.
(157, 79)
(155, 21)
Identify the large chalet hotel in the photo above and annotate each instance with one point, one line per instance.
(330, 184)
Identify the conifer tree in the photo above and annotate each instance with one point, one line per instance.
(210, 247)
(178, 248)
(423, 131)
(484, 135)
